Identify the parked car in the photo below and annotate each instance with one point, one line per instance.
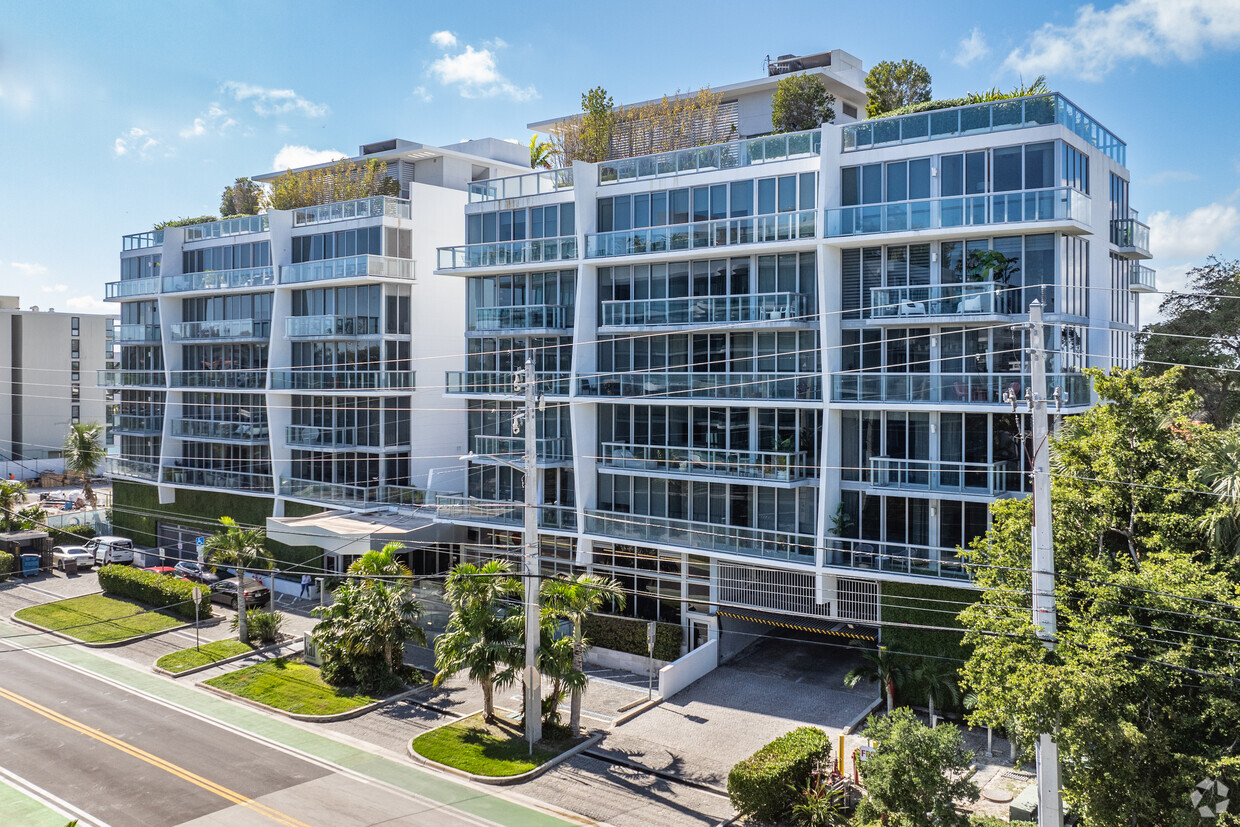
(161, 569)
(62, 554)
(225, 591)
(195, 572)
(102, 550)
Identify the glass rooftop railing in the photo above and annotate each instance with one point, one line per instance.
(897, 558)
(338, 493)
(724, 232)
(699, 534)
(384, 267)
(1057, 204)
(1131, 236)
(135, 333)
(500, 253)
(131, 288)
(227, 227)
(238, 279)
(729, 155)
(995, 116)
(217, 478)
(140, 241)
(1141, 278)
(132, 468)
(516, 186)
(374, 207)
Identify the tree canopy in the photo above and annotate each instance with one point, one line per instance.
(242, 197)
(801, 102)
(345, 180)
(891, 85)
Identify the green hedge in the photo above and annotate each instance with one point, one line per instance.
(924, 606)
(72, 533)
(6, 565)
(154, 589)
(766, 784)
(624, 634)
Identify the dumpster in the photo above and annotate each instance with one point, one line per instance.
(30, 565)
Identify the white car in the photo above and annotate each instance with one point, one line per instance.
(84, 557)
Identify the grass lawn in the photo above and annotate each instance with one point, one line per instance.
(97, 618)
(209, 653)
(289, 685)
(497, 750)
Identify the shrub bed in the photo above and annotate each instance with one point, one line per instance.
(766, 784)
(6, 565)
(154, 589)
(625, 634)
(72, 534)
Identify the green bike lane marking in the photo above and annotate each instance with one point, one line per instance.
(19, 808)
(409, 778)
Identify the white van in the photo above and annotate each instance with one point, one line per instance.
(110, 549)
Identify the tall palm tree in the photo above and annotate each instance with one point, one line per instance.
(939, 682)
(381, 563)
(372, 620)
(12, 497)
(481, 638)
(1222, 473)
(556, 661)
(83, 452)
(541, 153)
(241, 548)
(572, 598)
(880, 667)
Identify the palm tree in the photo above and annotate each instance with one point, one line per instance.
(381, 563)
(1221, 472)
(541, 153)
(371, 620)
(880, 667)
(481, 638)
(556, 658)
(572, 598)
(83, 453)
(12, 495)
(939, 682)
(241, 548)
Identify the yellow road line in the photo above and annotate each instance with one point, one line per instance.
(153, 760)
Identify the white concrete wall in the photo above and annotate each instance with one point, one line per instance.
(679, 674)
(612, 659)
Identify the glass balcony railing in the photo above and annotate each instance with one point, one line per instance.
(211, 429)
(216, 478)
(374, 207)
(518, 186)
(795, 308)
(1055, 204)
(114, 378)
(990, 478)
(771, 466)
(755, 386)
(224, 329)
(310, 379)
(501, 253)
(132, 468)
(726, 232)
(960, 388)
(1141, 279)
(500, 381)
(453, 507)
(320, 327)
(243, 278)
(730, 155)
(896, 558)
(326, 438)
(227, 227)
(698, 535)
(976, 298)
(996, 116)
(1131, 236)
(380, 267)
(521, 318)
(229, 379)
(131, 288)
(138, 424)
(141, 241)
(553, 449)
(338, 493)
(130, 334)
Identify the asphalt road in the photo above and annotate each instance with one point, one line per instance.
(123, 759)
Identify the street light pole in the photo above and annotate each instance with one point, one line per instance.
(529, 560)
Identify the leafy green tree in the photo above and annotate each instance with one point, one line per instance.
(362, 634)
(541, 153)
(381, 563)
(83, 453)
(891, 85)
(243, 197)
(12, 497)
(917, 772)
(344, 180)
(598, 122)
(573, 598)
(1221, 472)
(801, 102)
(483, 638)
(883, 668)
(1201, 328)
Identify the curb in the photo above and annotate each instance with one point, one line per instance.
(633, 713)
(321, 719)
(855, 722)
(193, 670)
(96, 644)
(496, 781)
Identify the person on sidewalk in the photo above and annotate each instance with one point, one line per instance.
(305, 586)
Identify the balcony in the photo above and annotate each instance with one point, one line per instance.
(806, 387)
(212, 430)
(137, 334)
(947, 303)
(228, 379)
(232, 329)
(1060, 204)
(986, 478)
(530, 319)
(242, 278)
(519, 186)
(757, 309)
(227, 227)
(131, 289)
(113, 378)
(997, 116)
(138, 424)
(326, 438)
(353, 496)
(326, 327)
(134, 469)
(951, 389)
(506, 513)
(218, 479)
(702, 536)
(664, 460)
(1141, 279)
(1130, 237)
(500, 381)
(730, 155)
(377, 206)
(349, 267)
(705, 235)
(310, 379)
(141, 241)
(505, 253)
(551, 451)
(894, 558)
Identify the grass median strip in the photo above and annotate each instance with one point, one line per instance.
(208, 653)
(97, 618)
(291, 686)
(498, 750)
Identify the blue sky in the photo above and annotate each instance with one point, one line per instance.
(114, 116)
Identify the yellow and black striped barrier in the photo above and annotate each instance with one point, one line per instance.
(851, 634)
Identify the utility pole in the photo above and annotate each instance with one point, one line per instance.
(525, 380)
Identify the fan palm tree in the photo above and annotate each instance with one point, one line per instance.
(541, 153)
(1222, 473)
(241, 548)
(880, 667)
(572, 598)
(12, 496)
(481, 638)
(83, 452)
(939, 682)
(373, 620)
(381, 563)
(556, 660)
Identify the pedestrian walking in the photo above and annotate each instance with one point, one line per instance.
(305, 586)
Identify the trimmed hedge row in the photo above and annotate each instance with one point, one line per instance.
(766, 784)
(6, 565)
(154, 589)
(625, 634)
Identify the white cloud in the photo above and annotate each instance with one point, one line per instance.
(1198, 234)
(274, 101)
(475, 74)
(135, 138)
(54, 288)
(1147, 30)
(444, 40)
(972, 48)
(28, 268)
(1172, 176)
(291, 156)
(90, 304)
(214, 120)
(421, 94)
